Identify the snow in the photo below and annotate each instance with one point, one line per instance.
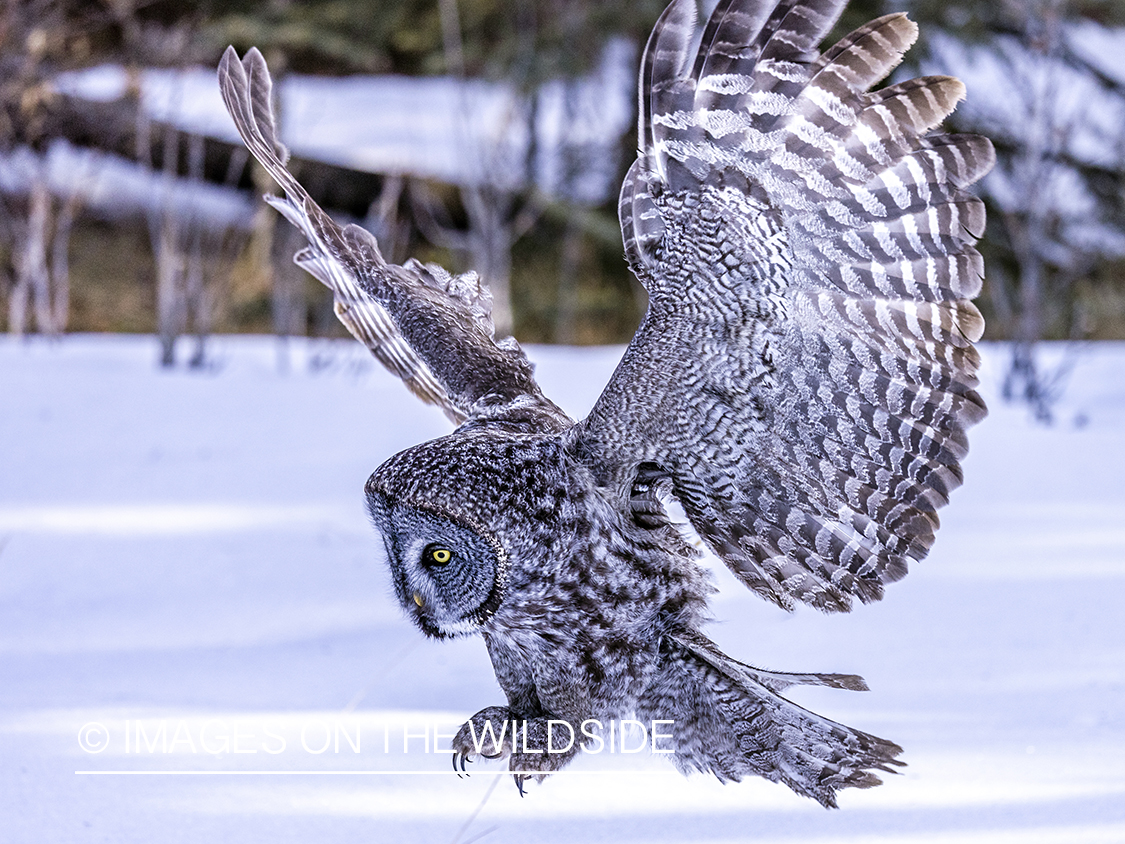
(1100, 46)
(112, 187)
(463, 132)
(190, 550)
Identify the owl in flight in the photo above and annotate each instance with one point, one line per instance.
(800, 385)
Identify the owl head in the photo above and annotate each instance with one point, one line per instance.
(448, 563)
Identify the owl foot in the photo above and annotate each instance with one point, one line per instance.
(460, 759)
(487, 735)
(531, 745)
(540, 750)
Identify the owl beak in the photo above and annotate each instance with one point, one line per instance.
(418, 599)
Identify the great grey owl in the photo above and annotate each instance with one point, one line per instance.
(800, 385)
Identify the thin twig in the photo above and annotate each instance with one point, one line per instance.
(476, 812)
(394, 660)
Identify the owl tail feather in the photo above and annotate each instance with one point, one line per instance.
(731, 721)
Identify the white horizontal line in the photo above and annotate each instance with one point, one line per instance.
(351, 773)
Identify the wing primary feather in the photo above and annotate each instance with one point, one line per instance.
(430, 328)
(805, 373)
(663, 81)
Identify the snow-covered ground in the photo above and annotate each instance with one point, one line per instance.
(190, 551)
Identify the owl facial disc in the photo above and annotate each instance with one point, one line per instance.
(449, 574)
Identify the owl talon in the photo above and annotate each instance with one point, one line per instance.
(519, 784)
(459, 757)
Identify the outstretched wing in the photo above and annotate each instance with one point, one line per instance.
(805, 372)
(431, 329)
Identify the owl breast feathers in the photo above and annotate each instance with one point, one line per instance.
(800, 385)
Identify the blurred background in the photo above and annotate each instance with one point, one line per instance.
(485, 134)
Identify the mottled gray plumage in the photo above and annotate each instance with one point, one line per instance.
(801, 384)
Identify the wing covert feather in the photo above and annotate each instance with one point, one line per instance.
(805, 373)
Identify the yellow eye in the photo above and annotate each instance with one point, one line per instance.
(418, 599)
(440, 555)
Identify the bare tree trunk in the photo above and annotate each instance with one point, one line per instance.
(490, 248)
(196, 305)
(31, 292)
(1029, 231)
(451, 38)
(20, 296)
(489, 208)
(261, 248)
(211, 258)
(566, 319)
(566, 316)
(40, 239)
(35, 255)
(384, 221)
(169, 257)
(169, 270)
(288, 290)
(17, 306)
(499, 274)
(60, 261)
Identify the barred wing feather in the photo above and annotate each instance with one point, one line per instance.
(428, 327)
(805, 372)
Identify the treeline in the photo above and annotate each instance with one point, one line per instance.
(1045, 83)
